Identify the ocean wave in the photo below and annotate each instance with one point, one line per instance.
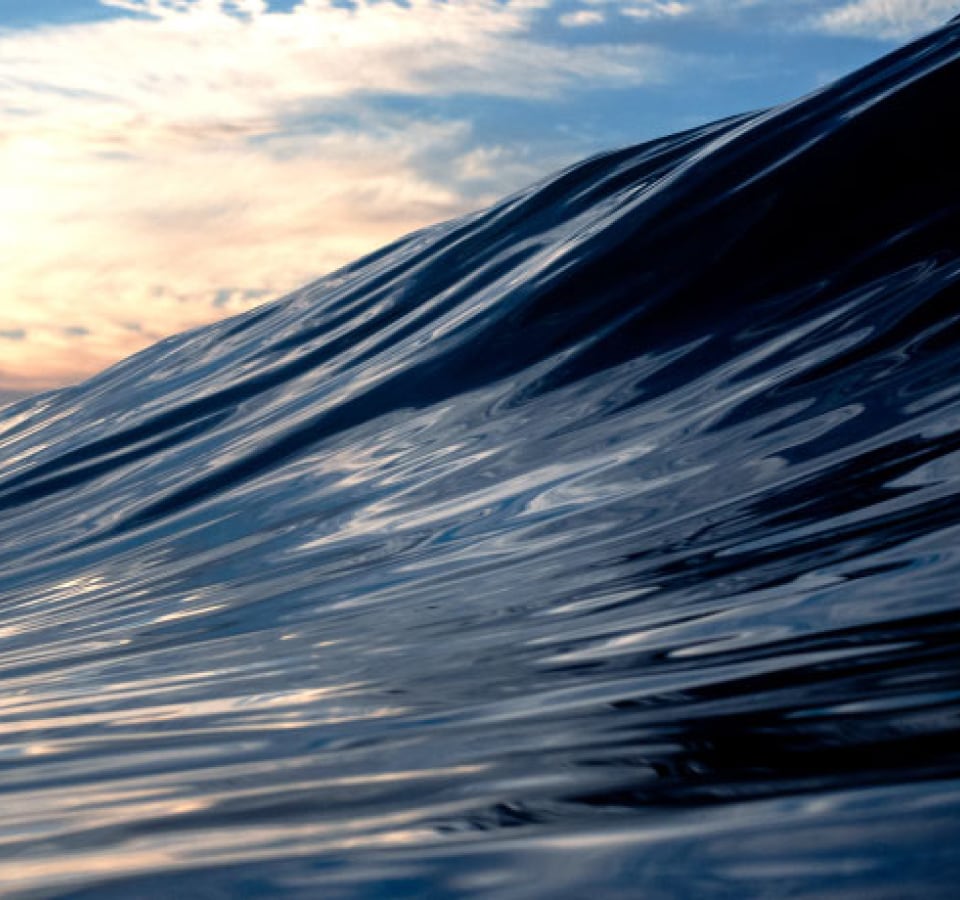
(604, 540)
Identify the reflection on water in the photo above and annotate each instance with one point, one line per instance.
(604, 541)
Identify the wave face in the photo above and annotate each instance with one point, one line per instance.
(603, 542)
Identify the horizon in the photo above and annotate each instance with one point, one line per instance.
(168, 163)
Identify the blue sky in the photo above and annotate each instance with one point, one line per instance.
(167, 162)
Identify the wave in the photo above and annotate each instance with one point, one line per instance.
(604, 540)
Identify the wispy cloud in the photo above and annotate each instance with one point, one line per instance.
(885, 19)
(657, 9)
(191, 157)
(582, 17)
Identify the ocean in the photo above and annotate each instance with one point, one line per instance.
(601, 543)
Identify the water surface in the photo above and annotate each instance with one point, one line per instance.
(604, 542)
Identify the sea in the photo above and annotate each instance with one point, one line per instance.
(603, 543)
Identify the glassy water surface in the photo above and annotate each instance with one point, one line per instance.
(604, 542)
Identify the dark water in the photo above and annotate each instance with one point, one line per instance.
(604, 543)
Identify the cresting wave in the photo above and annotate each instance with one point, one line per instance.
(605, 541)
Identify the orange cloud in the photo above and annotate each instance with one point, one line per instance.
(153, 176)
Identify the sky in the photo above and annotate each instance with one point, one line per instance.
(166, 163)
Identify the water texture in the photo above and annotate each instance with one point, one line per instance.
(604, 543)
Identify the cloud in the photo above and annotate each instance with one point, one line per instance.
(657, 9)
(885, 19)
(641, 10)
(582, 17)
(190, 158)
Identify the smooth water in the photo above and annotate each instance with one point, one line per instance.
(604, 543)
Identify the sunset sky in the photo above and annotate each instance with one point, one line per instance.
(164, 163)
